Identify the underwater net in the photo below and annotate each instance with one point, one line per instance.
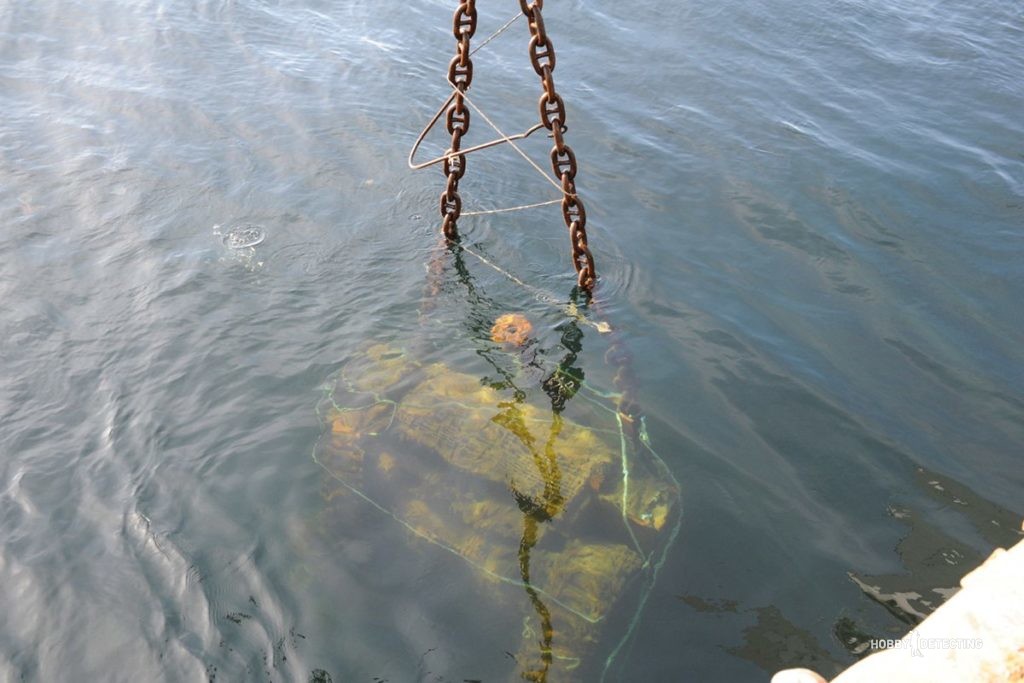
(566, 502)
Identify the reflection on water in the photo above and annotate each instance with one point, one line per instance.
(933, 560)
(560, 501)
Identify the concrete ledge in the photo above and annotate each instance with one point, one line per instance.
(977, 635)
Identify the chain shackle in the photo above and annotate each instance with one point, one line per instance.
(563, 160)
(455, 167)
(451, 202)
(464, 21)
(582, 259)
(572, 209)
(541, 55)
(563, 163)
(460, 76)
(457, 117)
(552, 110)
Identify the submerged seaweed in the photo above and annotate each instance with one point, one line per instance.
(563, 505)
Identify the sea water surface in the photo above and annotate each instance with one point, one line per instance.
(808, 219)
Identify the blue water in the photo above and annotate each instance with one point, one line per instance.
(808, 220)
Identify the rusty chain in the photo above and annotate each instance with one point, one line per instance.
(460, 75)
(552, 116)
(563, 160)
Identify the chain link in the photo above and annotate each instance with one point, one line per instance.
(551, 108)
(460, 75)
(563, 160)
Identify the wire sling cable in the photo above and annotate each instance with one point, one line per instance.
(511, 141)
(433, 121)
(451, 154)
(552, 115)
(462, 152)
(497, 33)
(512, 208)
(476, 148)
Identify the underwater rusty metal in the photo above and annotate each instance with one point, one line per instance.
(460, 75)
(563, 160)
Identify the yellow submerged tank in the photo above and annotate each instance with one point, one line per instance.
(562, 516)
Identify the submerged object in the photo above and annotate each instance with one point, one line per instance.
(511, 328)
(975, 636)
(565, 519)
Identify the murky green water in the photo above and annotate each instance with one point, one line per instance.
(809, 224)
